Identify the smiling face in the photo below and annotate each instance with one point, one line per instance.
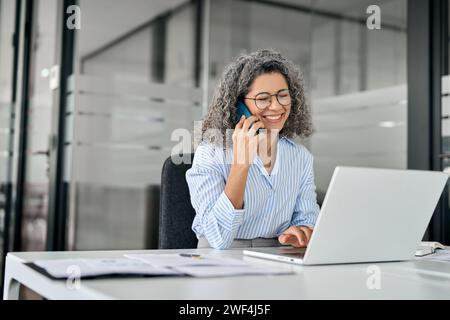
(265, 89)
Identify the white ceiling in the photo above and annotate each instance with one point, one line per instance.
(106, 20)
(392, 11)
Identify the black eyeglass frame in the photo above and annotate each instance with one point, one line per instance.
(271, 95)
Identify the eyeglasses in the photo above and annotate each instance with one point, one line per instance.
(263, 100)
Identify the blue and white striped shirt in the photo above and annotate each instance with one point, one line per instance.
(272, 203)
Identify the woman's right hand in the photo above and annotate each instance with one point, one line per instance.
(245, 140)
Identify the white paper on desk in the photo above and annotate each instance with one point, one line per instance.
(223, 271)
(174, 260)
(64, 268)
(440, 255)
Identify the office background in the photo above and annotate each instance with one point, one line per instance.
(82, 144)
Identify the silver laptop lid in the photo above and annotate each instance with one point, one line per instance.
(374, 215)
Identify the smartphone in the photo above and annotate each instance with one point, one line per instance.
(242, 110)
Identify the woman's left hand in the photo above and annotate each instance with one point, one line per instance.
(297, 236)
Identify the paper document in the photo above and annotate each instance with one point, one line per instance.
(154, 264)
(221, 271)
(428, 247)
(175, 260)
(441, 255)
(432, 244)
(203, 265)
(97, 267)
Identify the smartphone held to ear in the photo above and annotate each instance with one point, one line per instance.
(242, 110)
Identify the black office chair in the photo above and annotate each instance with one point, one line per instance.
(176, 213)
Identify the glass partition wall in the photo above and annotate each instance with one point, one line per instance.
(39, 126)
(135, 82)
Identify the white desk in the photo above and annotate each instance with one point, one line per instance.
(400, 280)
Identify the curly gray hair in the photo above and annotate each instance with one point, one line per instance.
(235, 83)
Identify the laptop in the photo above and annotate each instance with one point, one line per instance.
(368, 215)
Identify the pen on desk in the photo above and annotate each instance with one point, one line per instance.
(190, 255)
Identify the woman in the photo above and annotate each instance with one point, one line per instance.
(260, 190)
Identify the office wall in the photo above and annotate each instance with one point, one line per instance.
(128, 59)
(130, 93)
(358, 90)
(7, 9)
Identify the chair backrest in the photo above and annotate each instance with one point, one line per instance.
(176, 213)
